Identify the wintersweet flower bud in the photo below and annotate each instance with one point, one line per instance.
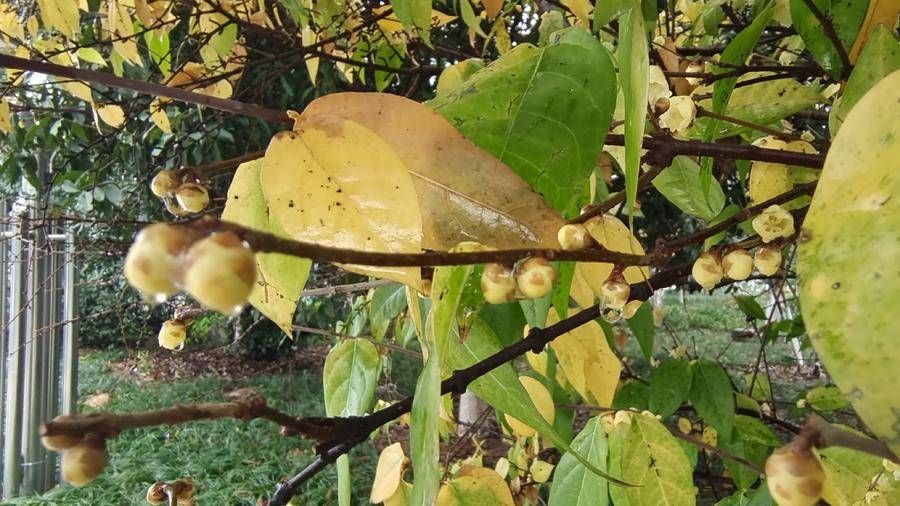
(192, 197)
(773, 223)
(83, 462)
(794, 476)
(164, 183)
(574, 237)
(707, 270)
(498, 285)
(767, 260)
(152, 264)
(220, 272)
(738, 264)
(535, 277)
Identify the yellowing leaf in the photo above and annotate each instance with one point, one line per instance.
(336, 183)
(5, 118)
(542, 400)
(654, 461)
(387, 473)
(128, 50)
(475, 488)
(60, 15)
(880, 12)
(78, 89)
(588, 363)
(613, 235)
(464, 193)
(111, 114)
(849, 289)
(492, 7)
(308, 37)
(582, 9)
(281, 277)
(401, 496)
(91, 55)
(159, 117)
(10, 24)
(540, 471)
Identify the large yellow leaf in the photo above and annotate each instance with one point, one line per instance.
(336, 183)
(388, 473)
(847, 260)
(542, 400)
(613, 235)
(111, 114)
(588, 363)
(159, 116)
(60, 15)
(281, 277)
(464, 193)
(475, 487)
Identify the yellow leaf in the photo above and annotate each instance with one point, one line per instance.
(78, 89)
(60, 15)
(10, 24)
(540, 471)
(338, 184)
(308, 36)
(613, 235)
(388, 473)
(281, 277)
(588, 363)
(401, 496)
(492, 7)
(542, 400)
(464, 193)
(128, 50)
(112, 115)
(5, 117)
(91, 55)
(159, 117)
(582, 10)
(477, 488)
(880, 12)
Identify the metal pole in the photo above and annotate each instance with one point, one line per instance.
(34, 354)
(4, 319)
(70, 330)
(51, 378)
(12, 457)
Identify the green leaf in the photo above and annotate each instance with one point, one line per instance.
(634, 64)
(669, 387)
(573, 484)
(761, 103)
(544, 111)
(560, 297)
(91, 55)
(501, 387)
(467, 13)
(845, 15)
(849, 288)
(159, 48)
(536, 310)
(827, 399)
(608, 10)
(415, 16)
(653, 460)
(452, 76)
(878, 58)
(848, 475)
(551, 22)
(754, 430)
(736, 53)
(680, 184)
(387, 303)
(224, 41)
(751, 440)
(758, 497)
(424, 432)
(632, 395)
(440, 327)
(350, 377)
(712, 396)
(750, 307)
(643, 326)
(283, 277)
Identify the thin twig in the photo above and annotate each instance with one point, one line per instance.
(828, 28)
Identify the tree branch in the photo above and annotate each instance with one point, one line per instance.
(269, 243)
(740, 152)
(232, 106)
(828, 28)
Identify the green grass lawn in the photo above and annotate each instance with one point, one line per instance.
(232, 462)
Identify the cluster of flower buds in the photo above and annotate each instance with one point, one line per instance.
(737, 264)
(218, 270)
(795, 476)
(83, 458)
(182, 193)
(532, 278)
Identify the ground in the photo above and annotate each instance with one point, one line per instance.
(236, 463)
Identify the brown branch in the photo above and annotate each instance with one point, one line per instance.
(701, 112)
(828, 28)
(819, 433)
(269, 243)
(740, 152)
(232, 106)
(222, 165)
(349, 288)
(108, 424)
